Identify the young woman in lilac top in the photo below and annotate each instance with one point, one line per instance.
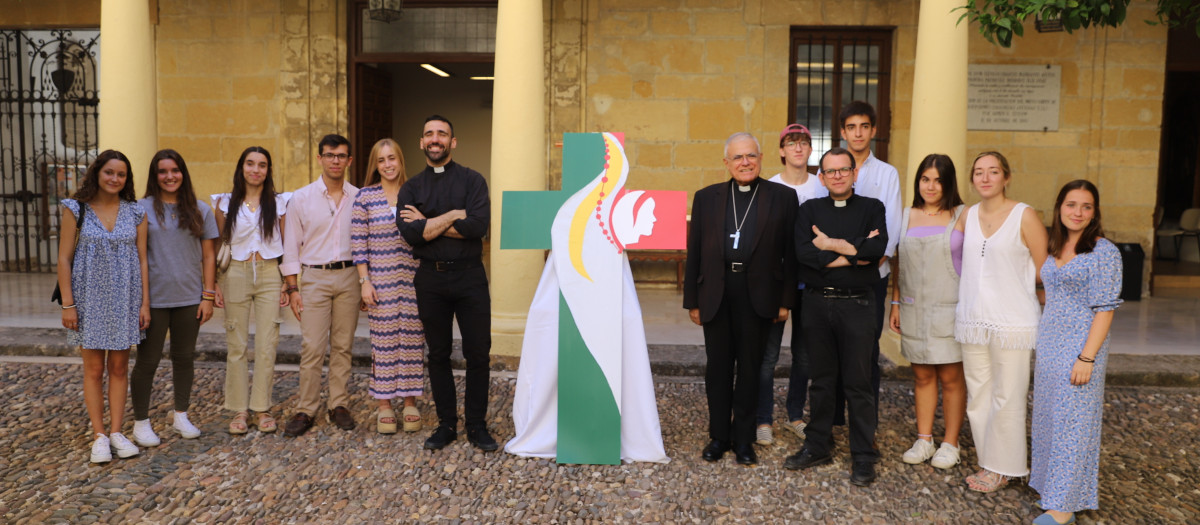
(924, 297)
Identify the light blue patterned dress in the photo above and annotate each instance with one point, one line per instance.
(1066, 418)
(106, 280)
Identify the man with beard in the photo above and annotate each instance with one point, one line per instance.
(443, 212)
(318, 240)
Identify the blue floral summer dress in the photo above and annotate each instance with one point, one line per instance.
(1066, 418)
(106, 280)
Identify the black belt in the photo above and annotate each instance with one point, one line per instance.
(830, 292)
(735, 267)
(454, 266)
(339, 265)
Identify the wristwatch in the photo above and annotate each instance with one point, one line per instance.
(363, 279)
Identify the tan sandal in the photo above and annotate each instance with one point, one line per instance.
(384, 427)
(412, 418)
(266, 423)
(986, 481)
(237, 425)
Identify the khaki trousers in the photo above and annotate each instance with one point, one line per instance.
(330, 299)
(251, 285)
(997, 400)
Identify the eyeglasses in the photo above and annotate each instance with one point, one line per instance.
(752, 157)
(794, 144)
(837, 173)
(338, 156)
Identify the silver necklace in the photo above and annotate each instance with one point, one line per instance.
(737, 225)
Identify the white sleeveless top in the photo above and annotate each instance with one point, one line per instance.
(997, 299)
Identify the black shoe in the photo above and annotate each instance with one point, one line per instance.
(341, 417)
(440, 438)
(298, 425)
(862, 474)
(480, 438)
(745, 454)
(806, 459)
(715, 450)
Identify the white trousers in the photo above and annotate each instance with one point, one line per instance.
(997, 401)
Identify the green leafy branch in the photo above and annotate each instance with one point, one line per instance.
(1000, 20)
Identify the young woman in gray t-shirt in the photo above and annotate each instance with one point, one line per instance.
(182, 260)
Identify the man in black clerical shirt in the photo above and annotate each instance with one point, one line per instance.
(443, 213)
(740, 277)
(839, 242)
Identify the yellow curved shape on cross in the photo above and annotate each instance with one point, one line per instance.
(616, 164)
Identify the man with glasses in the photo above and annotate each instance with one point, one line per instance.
(444, 212)
(317, 242)
(740, 277)
(839, 241)
(795, 146)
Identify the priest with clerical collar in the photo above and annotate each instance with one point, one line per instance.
(740, 278)
(839, 242)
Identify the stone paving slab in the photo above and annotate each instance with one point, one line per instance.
(1150, 468)
(665, 360)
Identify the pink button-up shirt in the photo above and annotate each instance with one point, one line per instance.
(318, 229)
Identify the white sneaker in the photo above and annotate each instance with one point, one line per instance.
(763, 436)
(143, 434)
(945, 457)
(121, 444)
(101, 453)
(185, 427)
(920, 451)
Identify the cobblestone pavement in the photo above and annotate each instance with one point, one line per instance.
(1150, 468)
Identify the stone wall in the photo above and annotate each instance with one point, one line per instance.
(1109, 121)
(679, 76)
(270, 73)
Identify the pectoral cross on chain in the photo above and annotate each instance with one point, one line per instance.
(736, 236)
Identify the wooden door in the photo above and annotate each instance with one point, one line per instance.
(373, 110)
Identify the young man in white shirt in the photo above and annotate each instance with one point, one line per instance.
(878, 180)
(795, 147)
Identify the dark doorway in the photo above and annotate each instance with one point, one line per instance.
(437, 58)
(1179, 169)
(1176, 269)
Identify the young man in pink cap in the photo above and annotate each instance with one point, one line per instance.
(795, 146)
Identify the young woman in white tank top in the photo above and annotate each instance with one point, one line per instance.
(996, 320)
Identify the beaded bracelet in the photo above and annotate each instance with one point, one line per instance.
(291, 289)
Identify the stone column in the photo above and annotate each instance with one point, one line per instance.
(128, 100)
(518, 161)
(939, 110)
(939, 95)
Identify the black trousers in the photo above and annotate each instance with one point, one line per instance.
(837, 335)
(733, 341)
(184, 328)
(442, 297)
(880, 289)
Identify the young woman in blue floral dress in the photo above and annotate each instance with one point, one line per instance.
(1083, 284)
(105, 292)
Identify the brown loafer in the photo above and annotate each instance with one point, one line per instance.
(341, 417)
(298, 425)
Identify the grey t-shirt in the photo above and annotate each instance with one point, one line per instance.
(175, 256)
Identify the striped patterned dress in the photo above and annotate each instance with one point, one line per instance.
(397, 337)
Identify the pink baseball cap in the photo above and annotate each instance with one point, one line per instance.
(794, 128)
